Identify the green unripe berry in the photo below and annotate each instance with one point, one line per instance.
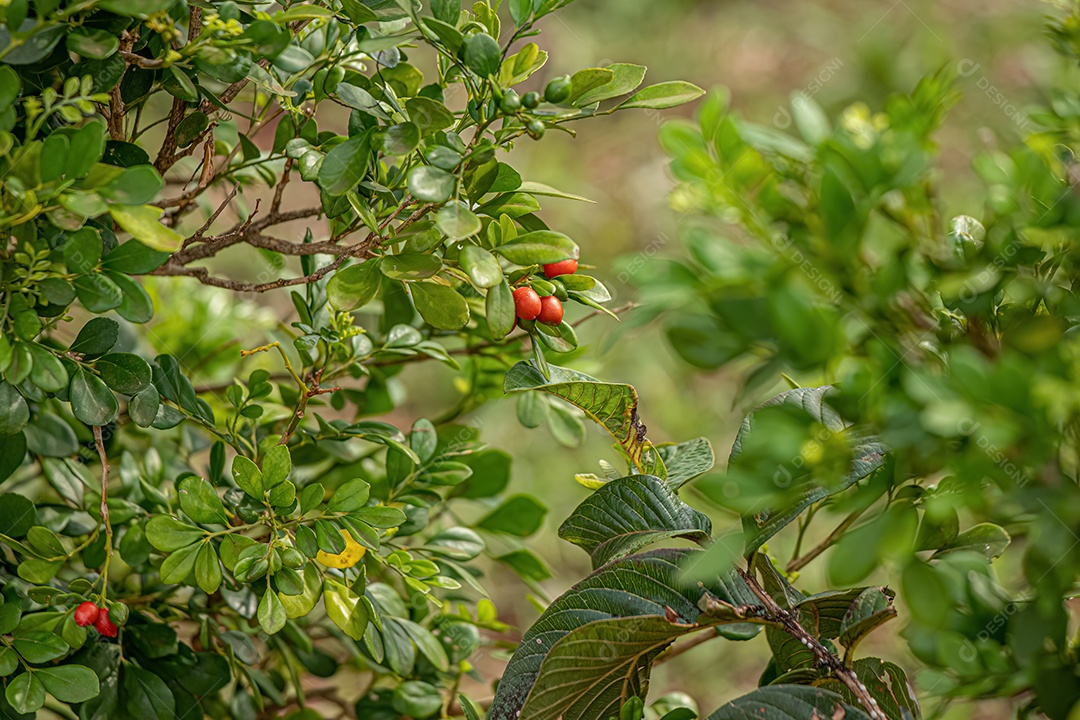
(558, 89)
(530, 100)
(510, 103)
(535, 128)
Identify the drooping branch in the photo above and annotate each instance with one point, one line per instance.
(789, 622)
(176, 265)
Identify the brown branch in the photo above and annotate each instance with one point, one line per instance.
(99, 444)
(301, 408)
(177, 267)
(801, 562)
(789, 622)
(213, 217)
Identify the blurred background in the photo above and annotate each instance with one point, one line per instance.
(762, 51)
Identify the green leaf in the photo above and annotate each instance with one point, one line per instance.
(147, 695)
(539, 247)
(39, 646)
(431, 184)
(789, 702)
(868, 455)
(685, 461)
(48, 373)
(458, 222)
(248, 477)
(143, 222)
(380, 516)
(180, 564)
(276, 466)
(14, 411)
(410, 266)
(640, 585)
(886, 682)
(201, 503)
(429, 115)
(663, 95)
(134, 186)
(519, 515)
(351, 496)
(345, 609)
(345, 165)
(12, 453)
(136, 8)
(125, 373)
(91, 43)
(169, 534)
(588, 79)
(499, 307)
(872, 607)
(134, 258)
(97, 292)
(441, 307)
(70, 683)
(482, 54)
(625, 78)
(143, 408)
(612, 405)
(207, 569)
(92, 401)
(986, 538)
(97, 337)
(627, 514)
(190, 128)
(589, 672)
(271, 613)
(82, 251)
(17, 515)
(25, 693)
(355, 286)
(481, 266)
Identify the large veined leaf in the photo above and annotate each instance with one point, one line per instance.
(647, 584)
(686, 460)
(867, 456)
(789, 702)
(612, 405)
(887, 683)
(593, 670)
(627, 514)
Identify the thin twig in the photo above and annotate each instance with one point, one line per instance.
(790, 624)
(801, 562)
(99, 443)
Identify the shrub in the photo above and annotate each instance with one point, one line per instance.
(237, 538)
(940, 457)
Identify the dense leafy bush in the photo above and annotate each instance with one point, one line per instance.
(240, 538)
(940, 458)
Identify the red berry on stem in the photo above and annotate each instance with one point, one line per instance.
(104, 625)
(551, 311)
(86, 614)
(563, 267)
(526, 303)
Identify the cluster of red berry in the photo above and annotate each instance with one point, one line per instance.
(528, 305)
(90, 614)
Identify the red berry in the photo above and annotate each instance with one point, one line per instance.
(563, 267)
(527, 303)
(551, 311)
(86, 614)
(104, 625)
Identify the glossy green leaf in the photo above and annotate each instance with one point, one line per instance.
(628, 514)
(441, 307)
(92, 401)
